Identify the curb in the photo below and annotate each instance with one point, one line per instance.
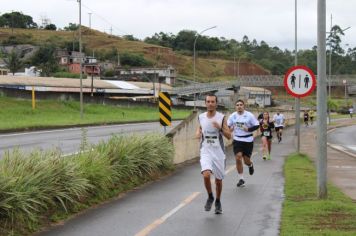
(338, 147)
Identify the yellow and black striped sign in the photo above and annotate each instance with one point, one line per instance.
(165, 114)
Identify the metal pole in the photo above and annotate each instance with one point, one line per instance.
(321, 103)
(89, 19)
(92, 81)
(297, 100)
(329, 79)
(33, 98)
(81, 59)
(194, 78)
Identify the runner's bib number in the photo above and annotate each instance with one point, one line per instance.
(212, 141)
(266, 133)
(239, 125)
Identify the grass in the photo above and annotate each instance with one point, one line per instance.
(303, 213)
(41, 187)
(18, 114)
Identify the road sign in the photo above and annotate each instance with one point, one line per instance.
(165, 114)
(299, 81)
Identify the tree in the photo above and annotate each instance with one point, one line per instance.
(334, 40)
(71, 27)
(17, 20)
(51, 27)
(13, 61)
(45, 59)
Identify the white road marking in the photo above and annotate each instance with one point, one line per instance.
(343, 167)
(72, 129)
(162, 219)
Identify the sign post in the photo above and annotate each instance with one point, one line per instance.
(165, 114)
(299, 82)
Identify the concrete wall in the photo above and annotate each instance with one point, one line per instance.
(186, 146)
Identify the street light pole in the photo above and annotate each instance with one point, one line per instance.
(81, 59)
(297, 100)
(194, 78)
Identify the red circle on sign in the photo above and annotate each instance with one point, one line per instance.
(290, 71)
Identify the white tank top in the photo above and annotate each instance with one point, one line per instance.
(212, 143)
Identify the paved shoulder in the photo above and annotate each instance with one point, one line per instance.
(175, 205)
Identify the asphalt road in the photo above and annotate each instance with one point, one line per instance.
(175, 205)
(68, 140)
(344, 138)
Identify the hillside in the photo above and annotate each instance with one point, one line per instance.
(207, 69)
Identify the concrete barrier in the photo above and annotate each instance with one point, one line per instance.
(186, 146)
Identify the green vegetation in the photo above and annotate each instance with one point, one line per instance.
(303, 213)
(40, 187)
(18, 114)
(64, 74)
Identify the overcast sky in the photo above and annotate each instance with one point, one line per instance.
(269, 20)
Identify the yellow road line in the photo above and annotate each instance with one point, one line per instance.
(159, 221)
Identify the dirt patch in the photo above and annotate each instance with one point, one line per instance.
(336, 221)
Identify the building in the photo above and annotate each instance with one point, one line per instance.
(165, 75)
(256, 96)
(71, 61)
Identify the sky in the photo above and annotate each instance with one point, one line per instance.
(271, 21)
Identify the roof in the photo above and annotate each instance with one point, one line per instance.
(75, 83)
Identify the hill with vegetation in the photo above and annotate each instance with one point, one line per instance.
(108, 47)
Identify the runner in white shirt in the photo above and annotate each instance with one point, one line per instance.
(212, 128)
(242, 123)
(278, 120)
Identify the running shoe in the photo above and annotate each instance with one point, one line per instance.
(241, 183)
(208, 204)
(218, 209)
(264, 157)
(269, 157)
(251, 169)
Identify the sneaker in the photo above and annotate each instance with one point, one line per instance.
(241, 183)
(218, 209)
(269, 157)
(251, 169)
(208, 204)
(264, 157)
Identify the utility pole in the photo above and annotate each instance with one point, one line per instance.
(297, 100)
(321, 103)
(81, 59)
(110, 30)
(90, 19)
(329, 79)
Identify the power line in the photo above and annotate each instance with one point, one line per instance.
(104, 19)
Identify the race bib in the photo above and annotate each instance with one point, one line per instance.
(239, 125)
(266, 133)
(211, 141)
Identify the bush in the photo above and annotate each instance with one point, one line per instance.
(37, 186)
(68, 75)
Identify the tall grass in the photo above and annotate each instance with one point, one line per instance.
(36, 186)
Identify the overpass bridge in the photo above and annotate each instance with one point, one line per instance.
(256, 81)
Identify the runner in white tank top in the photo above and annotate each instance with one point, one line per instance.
(212, 127)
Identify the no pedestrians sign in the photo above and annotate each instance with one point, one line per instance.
(299, 81)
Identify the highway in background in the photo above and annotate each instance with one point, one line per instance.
(68, 140)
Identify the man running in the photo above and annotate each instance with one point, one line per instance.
(311, 116)
(242, 123)
(279, 120)
(306, 118)
(212, 127)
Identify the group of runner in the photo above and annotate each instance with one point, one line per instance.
(308, 116)
(240, 126)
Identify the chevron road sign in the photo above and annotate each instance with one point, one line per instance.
(165, 114)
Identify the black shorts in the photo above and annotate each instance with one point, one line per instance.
(244, 147)
(278, 128)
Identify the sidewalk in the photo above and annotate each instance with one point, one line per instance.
(341, 169)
